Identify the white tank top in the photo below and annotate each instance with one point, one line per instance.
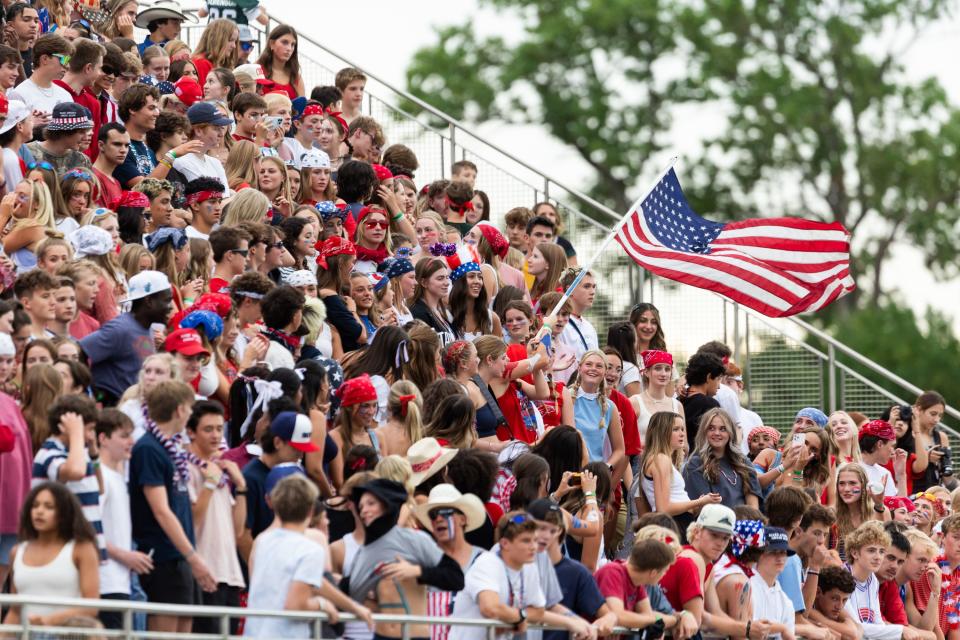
(678, 489)
(353, 630)
(643, 417)
(59, 578)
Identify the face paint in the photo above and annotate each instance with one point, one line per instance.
(855, 491)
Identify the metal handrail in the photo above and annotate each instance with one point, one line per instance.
(226, 613)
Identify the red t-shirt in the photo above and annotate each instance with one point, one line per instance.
(83, 326)
(614, 582)
(110, 189)
(90, 101)
(510, 408)
(681, 583)
(891, 606)
(949, 586)
(217, 285)
(628, 423)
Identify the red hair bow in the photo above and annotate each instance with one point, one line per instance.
(404, 401)
(460, 208)
(338, 116)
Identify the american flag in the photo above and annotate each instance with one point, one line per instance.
(776, 266)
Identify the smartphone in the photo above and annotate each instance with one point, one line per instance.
(574, 479)
(798, 439)
(274, 122)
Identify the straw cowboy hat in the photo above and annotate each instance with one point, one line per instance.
(446, 495)
(162, 10)
(427, 457)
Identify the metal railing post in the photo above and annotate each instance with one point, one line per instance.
(225, 626)
(746, 364)
(128, 623)
(452, 128)
(736, 332)
(832, 377)
(546, 188)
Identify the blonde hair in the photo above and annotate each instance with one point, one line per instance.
(855, 441)
(133, 393)
(664, 535)
(241, 165)
(412, 421)
(514, 258)
(398, 469)
(863, 506)
(48, 243)
(249, 205)
(175, 46)
(91, 218)
(130, 257)
(601, 391)
(132, 63)
(710, 461)
(276, 100)
(284, 179)
(42, 211)
(918, 539)
(214, 44)
(658, 439)
(871, 532)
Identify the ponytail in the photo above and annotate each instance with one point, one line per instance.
(405, 404)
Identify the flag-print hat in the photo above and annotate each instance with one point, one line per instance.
(70, 116)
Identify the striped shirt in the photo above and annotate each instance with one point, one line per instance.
(46, 466)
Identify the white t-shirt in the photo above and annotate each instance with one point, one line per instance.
(729, 402)
(191, 232)
(12, 175)
(513, 588)
(876, 473)
(194, 165)
(771, 603)
(37, 98)
(864, 607)
(749, 420)
(580, 335)
(631, 374)
(280, 558)
(117, 530)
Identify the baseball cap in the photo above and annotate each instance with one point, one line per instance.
(279, 472)
(540, 507)
(17, 112)
(70, 116)
(185, 342)
(717, 517)
(253, 70)
(296, 429)
(206, 113)
(777, 540)
(146, 283)
(188, 90)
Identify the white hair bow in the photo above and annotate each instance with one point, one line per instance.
(267, 390)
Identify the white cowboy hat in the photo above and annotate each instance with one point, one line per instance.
(447, 495)
(162, 10)
(427, 457)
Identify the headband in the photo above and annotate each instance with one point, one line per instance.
(202, 196)
(770, 431)
(312, 110)
(460, 208)
(338, 116)
(653, 357)
(814, 414)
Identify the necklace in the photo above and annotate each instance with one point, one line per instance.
(733, 480)
(654, 400)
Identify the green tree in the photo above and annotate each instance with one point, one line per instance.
(818, 121)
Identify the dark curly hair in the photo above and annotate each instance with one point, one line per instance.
(700, 365)
(355, 181)
(280, 305)
(168, 123)
(71, 523)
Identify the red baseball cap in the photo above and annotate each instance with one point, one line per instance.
(186, 342)
(188, 90)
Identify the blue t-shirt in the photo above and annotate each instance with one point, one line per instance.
(116, 351)
(791, 581)
(259, 515)
(139, 163)
(580, 593)
(150, 466)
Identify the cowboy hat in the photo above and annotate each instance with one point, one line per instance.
(446, 495)
(162, 10)
(426, 457)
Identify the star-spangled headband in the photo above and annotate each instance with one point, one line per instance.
(747, 534)
(328, 209)
(203, 196)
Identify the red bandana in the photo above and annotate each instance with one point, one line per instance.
(202, 196)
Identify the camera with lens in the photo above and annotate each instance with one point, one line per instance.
(906, 413)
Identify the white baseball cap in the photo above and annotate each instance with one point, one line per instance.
(253, 70)
(146, 283)
(17, 112)
(7, 348)
(315, 159)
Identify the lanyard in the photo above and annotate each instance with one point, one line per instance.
(519, 604)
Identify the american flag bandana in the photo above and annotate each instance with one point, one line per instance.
(747, 534)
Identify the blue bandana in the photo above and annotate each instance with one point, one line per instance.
(397, 267)
(814, 414)
(211, 323)
(463, 270)
(328, 209)
(176, 237)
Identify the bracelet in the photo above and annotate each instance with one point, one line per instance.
(590, 494)
(397, 217)
(241, 492)
(210, 484)
(879, 508)
(165, 162)
(811, 572)
(779, 469)
(534, 359)
(798, 473)
(172, 154)
(592, 501)
(747, 634)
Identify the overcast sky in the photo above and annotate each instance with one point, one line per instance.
(382, 36)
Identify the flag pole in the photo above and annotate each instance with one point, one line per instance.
(603, 245)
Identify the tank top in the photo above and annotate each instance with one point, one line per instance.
(678, 489)
(353, 630)
(486, 422)
(59, 578)
(586, 413)
(643, 417)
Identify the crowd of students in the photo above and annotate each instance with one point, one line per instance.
(248, 358)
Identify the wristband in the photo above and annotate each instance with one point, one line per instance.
(210, 484)
(879, 508)
(165, 162)
(811, 572)
(779, 469)
(397, 217)
(172, 154)
(747, 634)
(592, 501)
(590, 494)
(534, 359)
(241, 492)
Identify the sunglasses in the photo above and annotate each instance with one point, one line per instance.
(110, 71)
(246, 46)
(40, 165)
(242, 252)
(377, 224)
(520, 518)
(443, 512)
(275, 245)
(63, 59)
